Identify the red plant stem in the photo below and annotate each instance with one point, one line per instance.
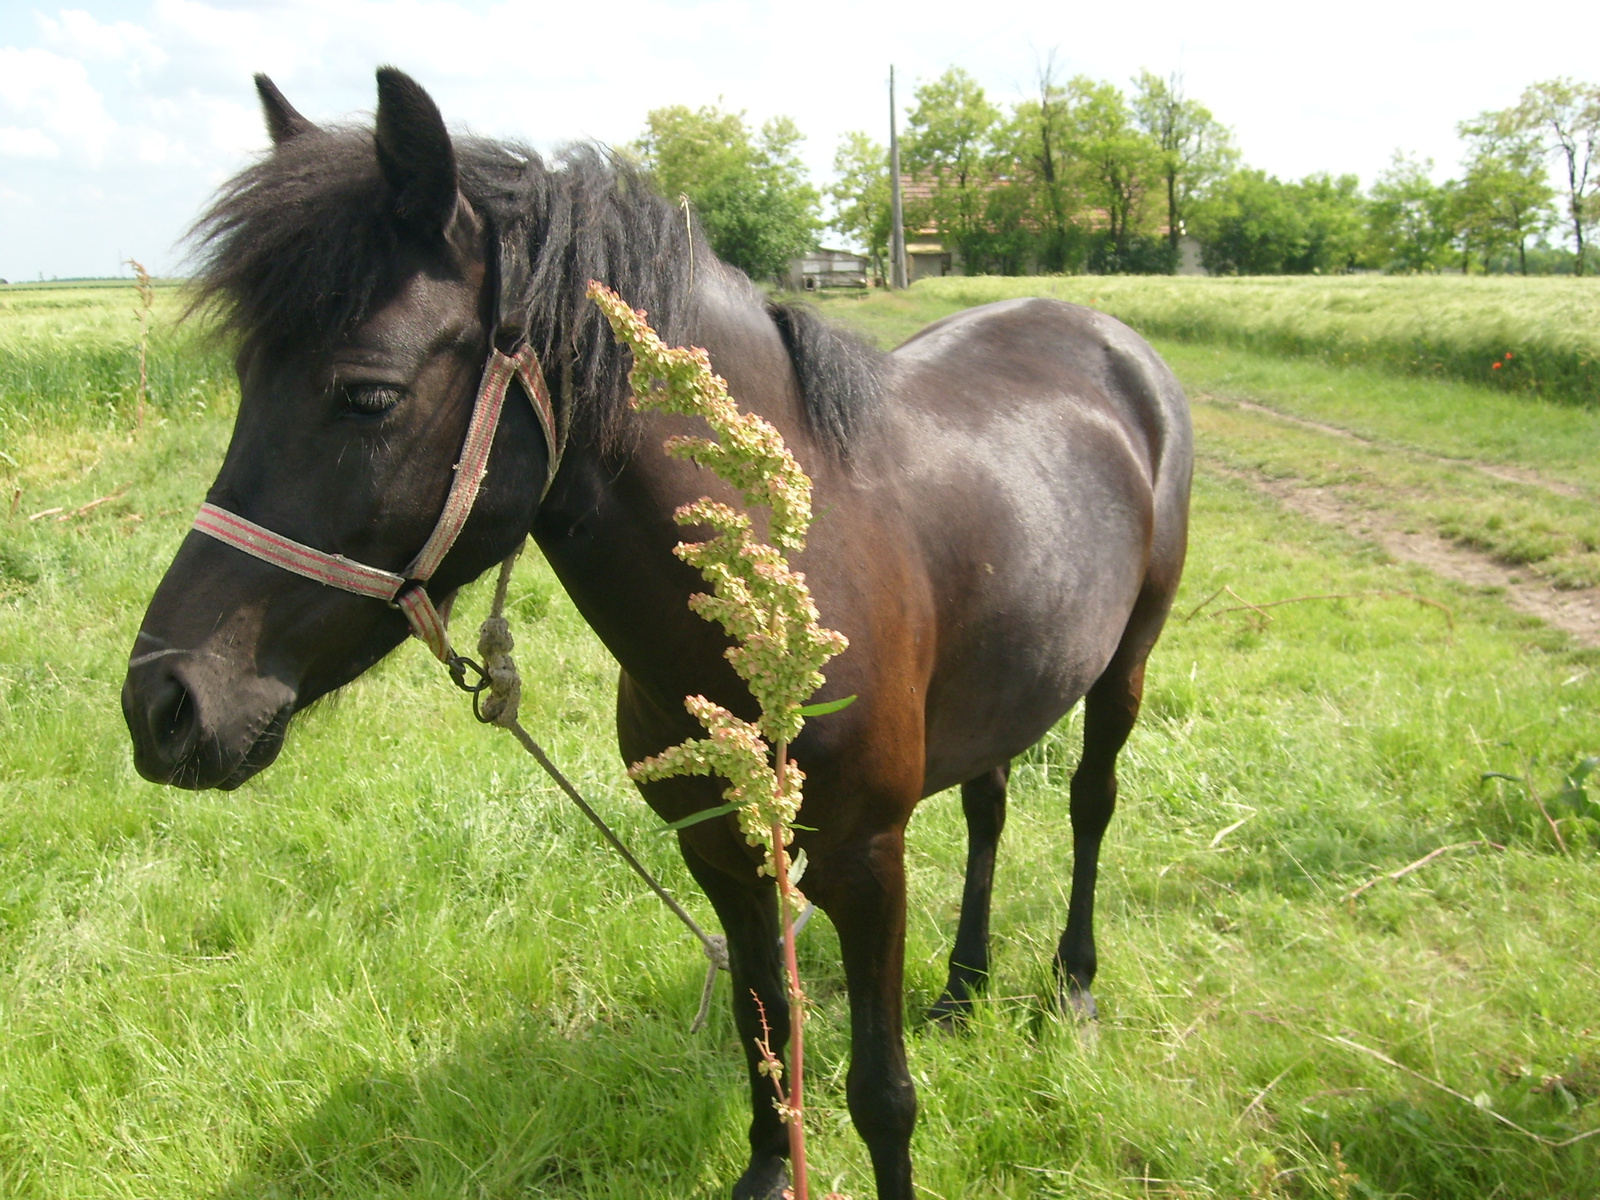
(797, 1007)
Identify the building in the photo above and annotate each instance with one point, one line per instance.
(828, 268)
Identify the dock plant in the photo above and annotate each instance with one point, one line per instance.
(779, 643)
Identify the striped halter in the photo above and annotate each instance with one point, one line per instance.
(405, 590)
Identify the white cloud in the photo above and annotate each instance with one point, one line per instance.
(80, 35)
(27, 143)
(54, 92)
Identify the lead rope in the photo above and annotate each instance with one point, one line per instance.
(499, 678)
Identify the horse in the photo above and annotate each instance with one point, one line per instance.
(1002, 508)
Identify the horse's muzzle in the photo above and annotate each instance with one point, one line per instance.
(196, 727)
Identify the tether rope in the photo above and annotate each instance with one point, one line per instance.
(501, 680)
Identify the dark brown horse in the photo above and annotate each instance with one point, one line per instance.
(1002, 511)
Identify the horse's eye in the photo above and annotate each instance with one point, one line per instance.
(370, 399)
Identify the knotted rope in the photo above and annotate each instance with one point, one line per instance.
(496, 698)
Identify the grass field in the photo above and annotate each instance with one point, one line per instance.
(1538, 336)
(397, 965)
(69, 356)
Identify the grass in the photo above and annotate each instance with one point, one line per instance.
(398, 965)
(69, 356)
(1533, 336)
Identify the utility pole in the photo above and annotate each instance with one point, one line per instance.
(897, 226)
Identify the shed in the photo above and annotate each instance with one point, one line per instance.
(828, 268)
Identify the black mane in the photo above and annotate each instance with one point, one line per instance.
(300, 247)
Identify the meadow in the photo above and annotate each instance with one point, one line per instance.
(1538, 335)
(397, 964)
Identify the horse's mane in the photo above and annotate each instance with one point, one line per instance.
(299, 247)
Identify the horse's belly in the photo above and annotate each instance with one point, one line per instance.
(1038, 633)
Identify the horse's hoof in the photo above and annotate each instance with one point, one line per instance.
(1080, 1003)
(1077, 1002)
(950, 1013)
(766, 1178)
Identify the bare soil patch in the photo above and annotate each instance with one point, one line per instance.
(1575, 612)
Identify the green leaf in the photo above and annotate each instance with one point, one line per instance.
(706, 814)
(826, 707)
(1575, 800)
(1583, 770)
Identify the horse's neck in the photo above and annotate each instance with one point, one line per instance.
(608, 530)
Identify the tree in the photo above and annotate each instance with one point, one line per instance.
(860, 195)
(1335, 224)
(1505, 196)
(1195, 148)
(949, 140)
(1115, 160)
(750, 192)
(1411, 217)
(1566, 115)
(1253, 223)
(1036, 141)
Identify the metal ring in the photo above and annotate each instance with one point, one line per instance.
(457, 666)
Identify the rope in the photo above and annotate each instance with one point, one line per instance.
(503, 686)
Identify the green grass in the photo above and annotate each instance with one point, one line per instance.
(398, 965)
(69, 355)
(1442, 326)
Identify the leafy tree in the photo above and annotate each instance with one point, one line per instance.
(1253, 223)
(860, 195)
(1335, 216)
(1116, 161)
(1195, 149)
(1412, 218)
(749, 191)
(1505, 196)
(1037, 142)
(1566, 116)
(950, 141)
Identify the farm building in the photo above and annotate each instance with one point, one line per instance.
(828, 268)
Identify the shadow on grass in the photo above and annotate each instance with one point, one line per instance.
(523, 1110)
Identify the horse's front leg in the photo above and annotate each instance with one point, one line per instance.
(863, 891)
(749, 915)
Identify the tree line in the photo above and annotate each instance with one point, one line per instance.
(1081, 176)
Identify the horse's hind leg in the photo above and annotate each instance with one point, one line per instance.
(1109, 711)
(983, 800)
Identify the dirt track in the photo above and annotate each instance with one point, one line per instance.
(1576, 612)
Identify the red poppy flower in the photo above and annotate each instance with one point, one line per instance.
(1494, 366)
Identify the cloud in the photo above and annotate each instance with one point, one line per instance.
(80, 35)
(53, 94)
(27, 143)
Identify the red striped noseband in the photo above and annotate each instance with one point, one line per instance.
(405, 590)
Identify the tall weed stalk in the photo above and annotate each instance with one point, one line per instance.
(779, 643)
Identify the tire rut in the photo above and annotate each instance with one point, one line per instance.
(1504, 472)
(1575, 612)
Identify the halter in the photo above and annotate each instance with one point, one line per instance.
(405, 590)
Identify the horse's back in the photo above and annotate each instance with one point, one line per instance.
(1042, 454)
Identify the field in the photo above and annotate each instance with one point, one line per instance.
(398, 965)
(1539, 336)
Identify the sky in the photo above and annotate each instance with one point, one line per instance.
(119, 119)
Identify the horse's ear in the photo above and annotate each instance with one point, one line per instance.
(415, 153)
(283, 121)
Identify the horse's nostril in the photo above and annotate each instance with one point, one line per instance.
(163, 718)
(171, 711)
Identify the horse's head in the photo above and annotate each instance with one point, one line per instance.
(364, 287)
